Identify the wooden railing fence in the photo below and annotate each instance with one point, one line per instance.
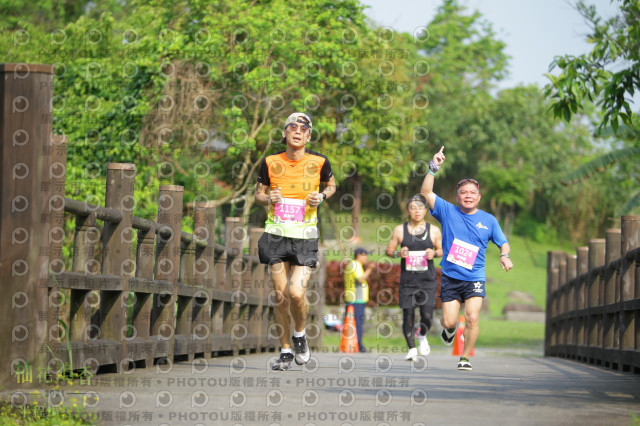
(138, 291)
(593, 300)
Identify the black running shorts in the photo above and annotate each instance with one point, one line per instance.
(453, 289)
(411, 297)
(297, 251)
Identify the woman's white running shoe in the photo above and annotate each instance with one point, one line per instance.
(412, 354)
(423, 346)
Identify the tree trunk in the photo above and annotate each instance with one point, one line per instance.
(402, 196)
(357, 206)
(248, 203)
(508, 221)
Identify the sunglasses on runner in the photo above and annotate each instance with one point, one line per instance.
(466, 181)
(303, 127)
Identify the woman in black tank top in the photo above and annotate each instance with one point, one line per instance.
(419, 244)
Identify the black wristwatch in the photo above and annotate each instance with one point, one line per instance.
(324, 196)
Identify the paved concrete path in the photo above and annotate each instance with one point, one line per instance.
(366, 389)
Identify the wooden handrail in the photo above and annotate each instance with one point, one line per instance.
(80, 208)
(592, 316)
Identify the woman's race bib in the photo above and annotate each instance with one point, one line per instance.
(416, 261)
(289, 210)
(462, 254)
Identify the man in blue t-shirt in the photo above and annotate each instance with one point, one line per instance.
(466, 232)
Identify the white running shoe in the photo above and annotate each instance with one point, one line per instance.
(464, 364)
(412, 354)
(301, 349)
(423, 346)
(283, 362)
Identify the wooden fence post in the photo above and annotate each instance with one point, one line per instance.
(116, 256)
(56, 172)
(235, 236)
(84, 304)
(571, 274)
(219, 340)
(582, 264)
(143, 301)
(597, 248)
(259, 321)
(184, 343)
(630, 240)
(563, 285)
(583, 267)
(26, 91)
(204, 227)
(167, 268)
(628, 288)
(596, 260)
(247, 294)
(611, 253)
(550, 330)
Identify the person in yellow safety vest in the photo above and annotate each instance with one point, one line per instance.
(356, 289)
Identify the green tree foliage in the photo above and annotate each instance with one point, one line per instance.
(466, 60)
(195, 92)
(371, 150)
(609, 77)
(160, 85)
(51, 14)
(440, 76)
(537, 153)
(100, 98)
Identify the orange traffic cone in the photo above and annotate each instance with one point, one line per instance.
(349, 339)
(458, 344)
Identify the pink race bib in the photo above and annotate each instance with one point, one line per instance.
(463, 254)
(416, 261)
(289, 210)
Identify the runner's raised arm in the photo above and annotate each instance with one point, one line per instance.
(427, 184)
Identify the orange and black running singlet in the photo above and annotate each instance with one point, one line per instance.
(293, 217)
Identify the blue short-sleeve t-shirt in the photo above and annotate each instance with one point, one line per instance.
(465, 238)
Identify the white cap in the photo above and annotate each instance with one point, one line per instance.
(295, 118)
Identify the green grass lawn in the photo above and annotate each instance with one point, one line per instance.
(529, 273)
(494, 333)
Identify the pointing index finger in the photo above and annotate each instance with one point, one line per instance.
(441, 149)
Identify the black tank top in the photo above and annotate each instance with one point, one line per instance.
(415, 243)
